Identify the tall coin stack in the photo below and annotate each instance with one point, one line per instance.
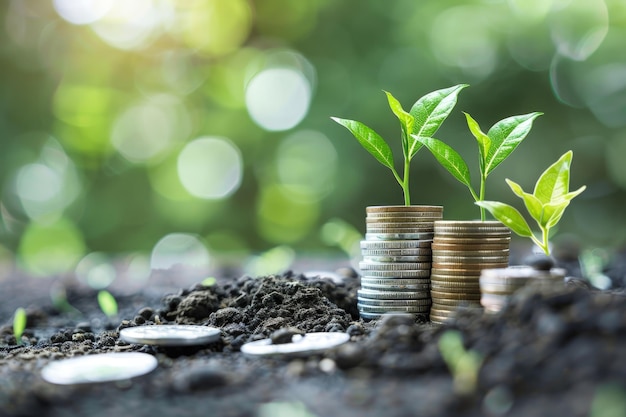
(498, 285)
(460, 251)
(395, 271)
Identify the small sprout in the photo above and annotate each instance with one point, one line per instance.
(423, 120)
(107, 303)
(209, 281)
(493, 148)
(19, 324)
(463, 364)
(546, 205)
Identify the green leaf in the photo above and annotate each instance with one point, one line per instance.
(107, 303)
(448, 158)
(553, 184)
(532, 203)
(552, 213)
(429, 112)
(370, 140)
(406, 120)
(508, 216)
(505, 136)
(19, 323)
(484, 143)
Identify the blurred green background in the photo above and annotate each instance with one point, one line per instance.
(189, 131)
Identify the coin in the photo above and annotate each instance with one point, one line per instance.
(399, 231)
(403, 209)
(451, 284)
(170, 335)
(456, 259)
(455, 290)
(397, 252)
(302, 345)
(394, 244)
(364, 308)
(503, 241)
(417, 226)
(453, 295)
(424, 301)
(422, 273)
(401, 219)
(393, 266)
(98, 368)
(395, 281)
(371, 316)
(392, 295)
(396, 288)
(397, 258)
(455, 303)
(467, 266)
(476, 249)
(436, 276)
(398, 236)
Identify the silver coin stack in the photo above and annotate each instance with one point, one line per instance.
(498, 285)
(395, 271)
(460, 251)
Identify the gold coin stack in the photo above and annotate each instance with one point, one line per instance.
(498, 285)
(395, 271)
(460, 251)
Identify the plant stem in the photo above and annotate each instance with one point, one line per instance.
(545, 246)
(483, 179)
(405, 186)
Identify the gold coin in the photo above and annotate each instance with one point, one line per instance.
(453, 278)
(445, 258)
(470, 267)
(472, 249)
(403, 209)
(455, 303)
(454, 284)
(434, 294)
(478, 240)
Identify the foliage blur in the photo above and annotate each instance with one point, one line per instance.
(173, 131)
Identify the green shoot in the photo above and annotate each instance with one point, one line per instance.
(209, 281)
(19, 324)
(546, 205)
(463, 364)
(423, 120)
(493, 148)
(107, 303)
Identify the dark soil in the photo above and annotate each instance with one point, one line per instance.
(548, 353)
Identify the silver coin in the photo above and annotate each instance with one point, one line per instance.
(397, 252)
(399, 309)
(422, 273)
(308, 344)
(394, 244)
(395, 281)
(398, 236)
(404, 258)
(397, 231)
(393, 266)
(171, 335)
(98, 368)
(372, 316)
(396, 288)
(401, 219)
(392, 295)
(393, 303)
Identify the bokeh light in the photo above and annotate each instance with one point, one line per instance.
(40, 252)
(210, 167)
(180, 250)
(96, 270)
(278, 98)
(82, 12)
(307, 159)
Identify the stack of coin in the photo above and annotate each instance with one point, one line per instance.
(395, 271)
(498, 285)
(460, 251)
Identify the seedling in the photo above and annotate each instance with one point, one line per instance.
(463, 364)
(107, 303)
(423, 120)
(493, 148)
(19, 324)
(546, 205)
(209, 282)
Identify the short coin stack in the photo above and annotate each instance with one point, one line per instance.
(498, 285)
(460, 251)
(395, 272)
